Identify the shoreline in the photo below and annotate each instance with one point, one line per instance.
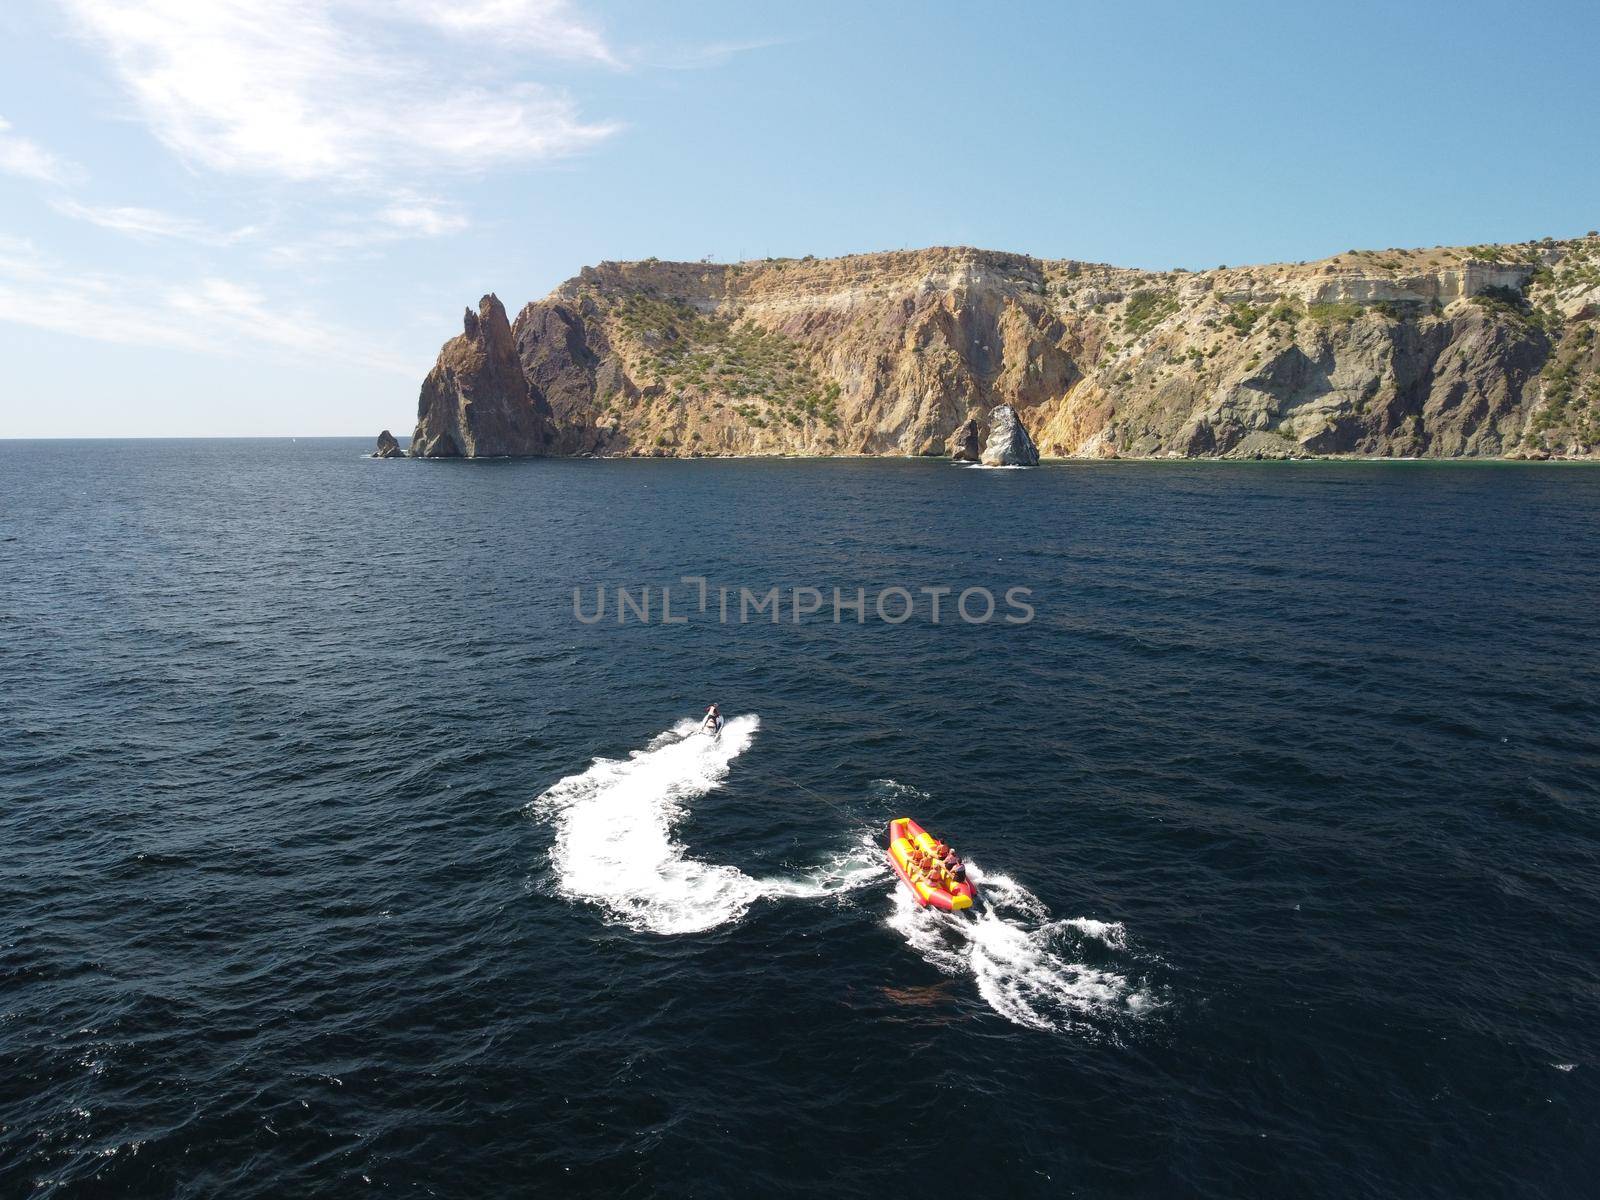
(1044, 460)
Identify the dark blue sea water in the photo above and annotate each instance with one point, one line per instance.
(337, 857)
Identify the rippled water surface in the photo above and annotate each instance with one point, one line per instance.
(337, 856)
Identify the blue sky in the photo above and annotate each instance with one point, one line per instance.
(251, 217)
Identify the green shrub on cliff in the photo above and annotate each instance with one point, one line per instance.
(1146, 308)
(1501, 299)
(1509, 302)
(1242, 317)
(1333, 312)
(707, 352)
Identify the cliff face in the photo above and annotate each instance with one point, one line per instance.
(476, 402)
(1450, 352)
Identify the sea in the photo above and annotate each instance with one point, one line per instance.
(358, 836)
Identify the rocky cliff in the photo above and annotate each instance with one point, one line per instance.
(1009, 444)
(476, 402)
(1450, 352)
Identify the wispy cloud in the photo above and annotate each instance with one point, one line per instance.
(27, 159)
(344, 127)
(345, 92)
(150, 223)
(423, 218)
(543, 26)
(207, 315)
(405, 218)
(703, 57)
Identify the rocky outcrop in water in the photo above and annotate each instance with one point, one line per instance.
(476, 402)
(388, 447)
(1450, 352)
(1009, 444)
(966, 443)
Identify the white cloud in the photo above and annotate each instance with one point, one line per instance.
(711, 54)
(423, 218)
(405, 218)
(544, 26)
(150, 223)
(208, 315)
(27, 159)
(298, 89)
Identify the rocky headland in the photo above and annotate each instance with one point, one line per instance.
(1481, 351)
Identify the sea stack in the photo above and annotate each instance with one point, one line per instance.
(388, 447)
(966, 443)
(476, 402)
(1009, 443)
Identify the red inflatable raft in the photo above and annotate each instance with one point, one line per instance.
(905, 835)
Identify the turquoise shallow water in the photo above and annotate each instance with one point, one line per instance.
(337, 855)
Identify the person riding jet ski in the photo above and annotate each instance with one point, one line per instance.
(713, 722)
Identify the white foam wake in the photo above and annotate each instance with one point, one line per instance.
(614, 845)
(1019, 956)
(859, 866)
(615, 848)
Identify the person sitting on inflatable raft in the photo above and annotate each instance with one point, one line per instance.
(930, 868)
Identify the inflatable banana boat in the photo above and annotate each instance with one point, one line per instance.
(908, 841)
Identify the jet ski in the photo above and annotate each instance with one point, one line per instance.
(943, 892)
(712, 727)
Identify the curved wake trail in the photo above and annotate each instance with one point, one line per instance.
(1020, 957)
(614, 845)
